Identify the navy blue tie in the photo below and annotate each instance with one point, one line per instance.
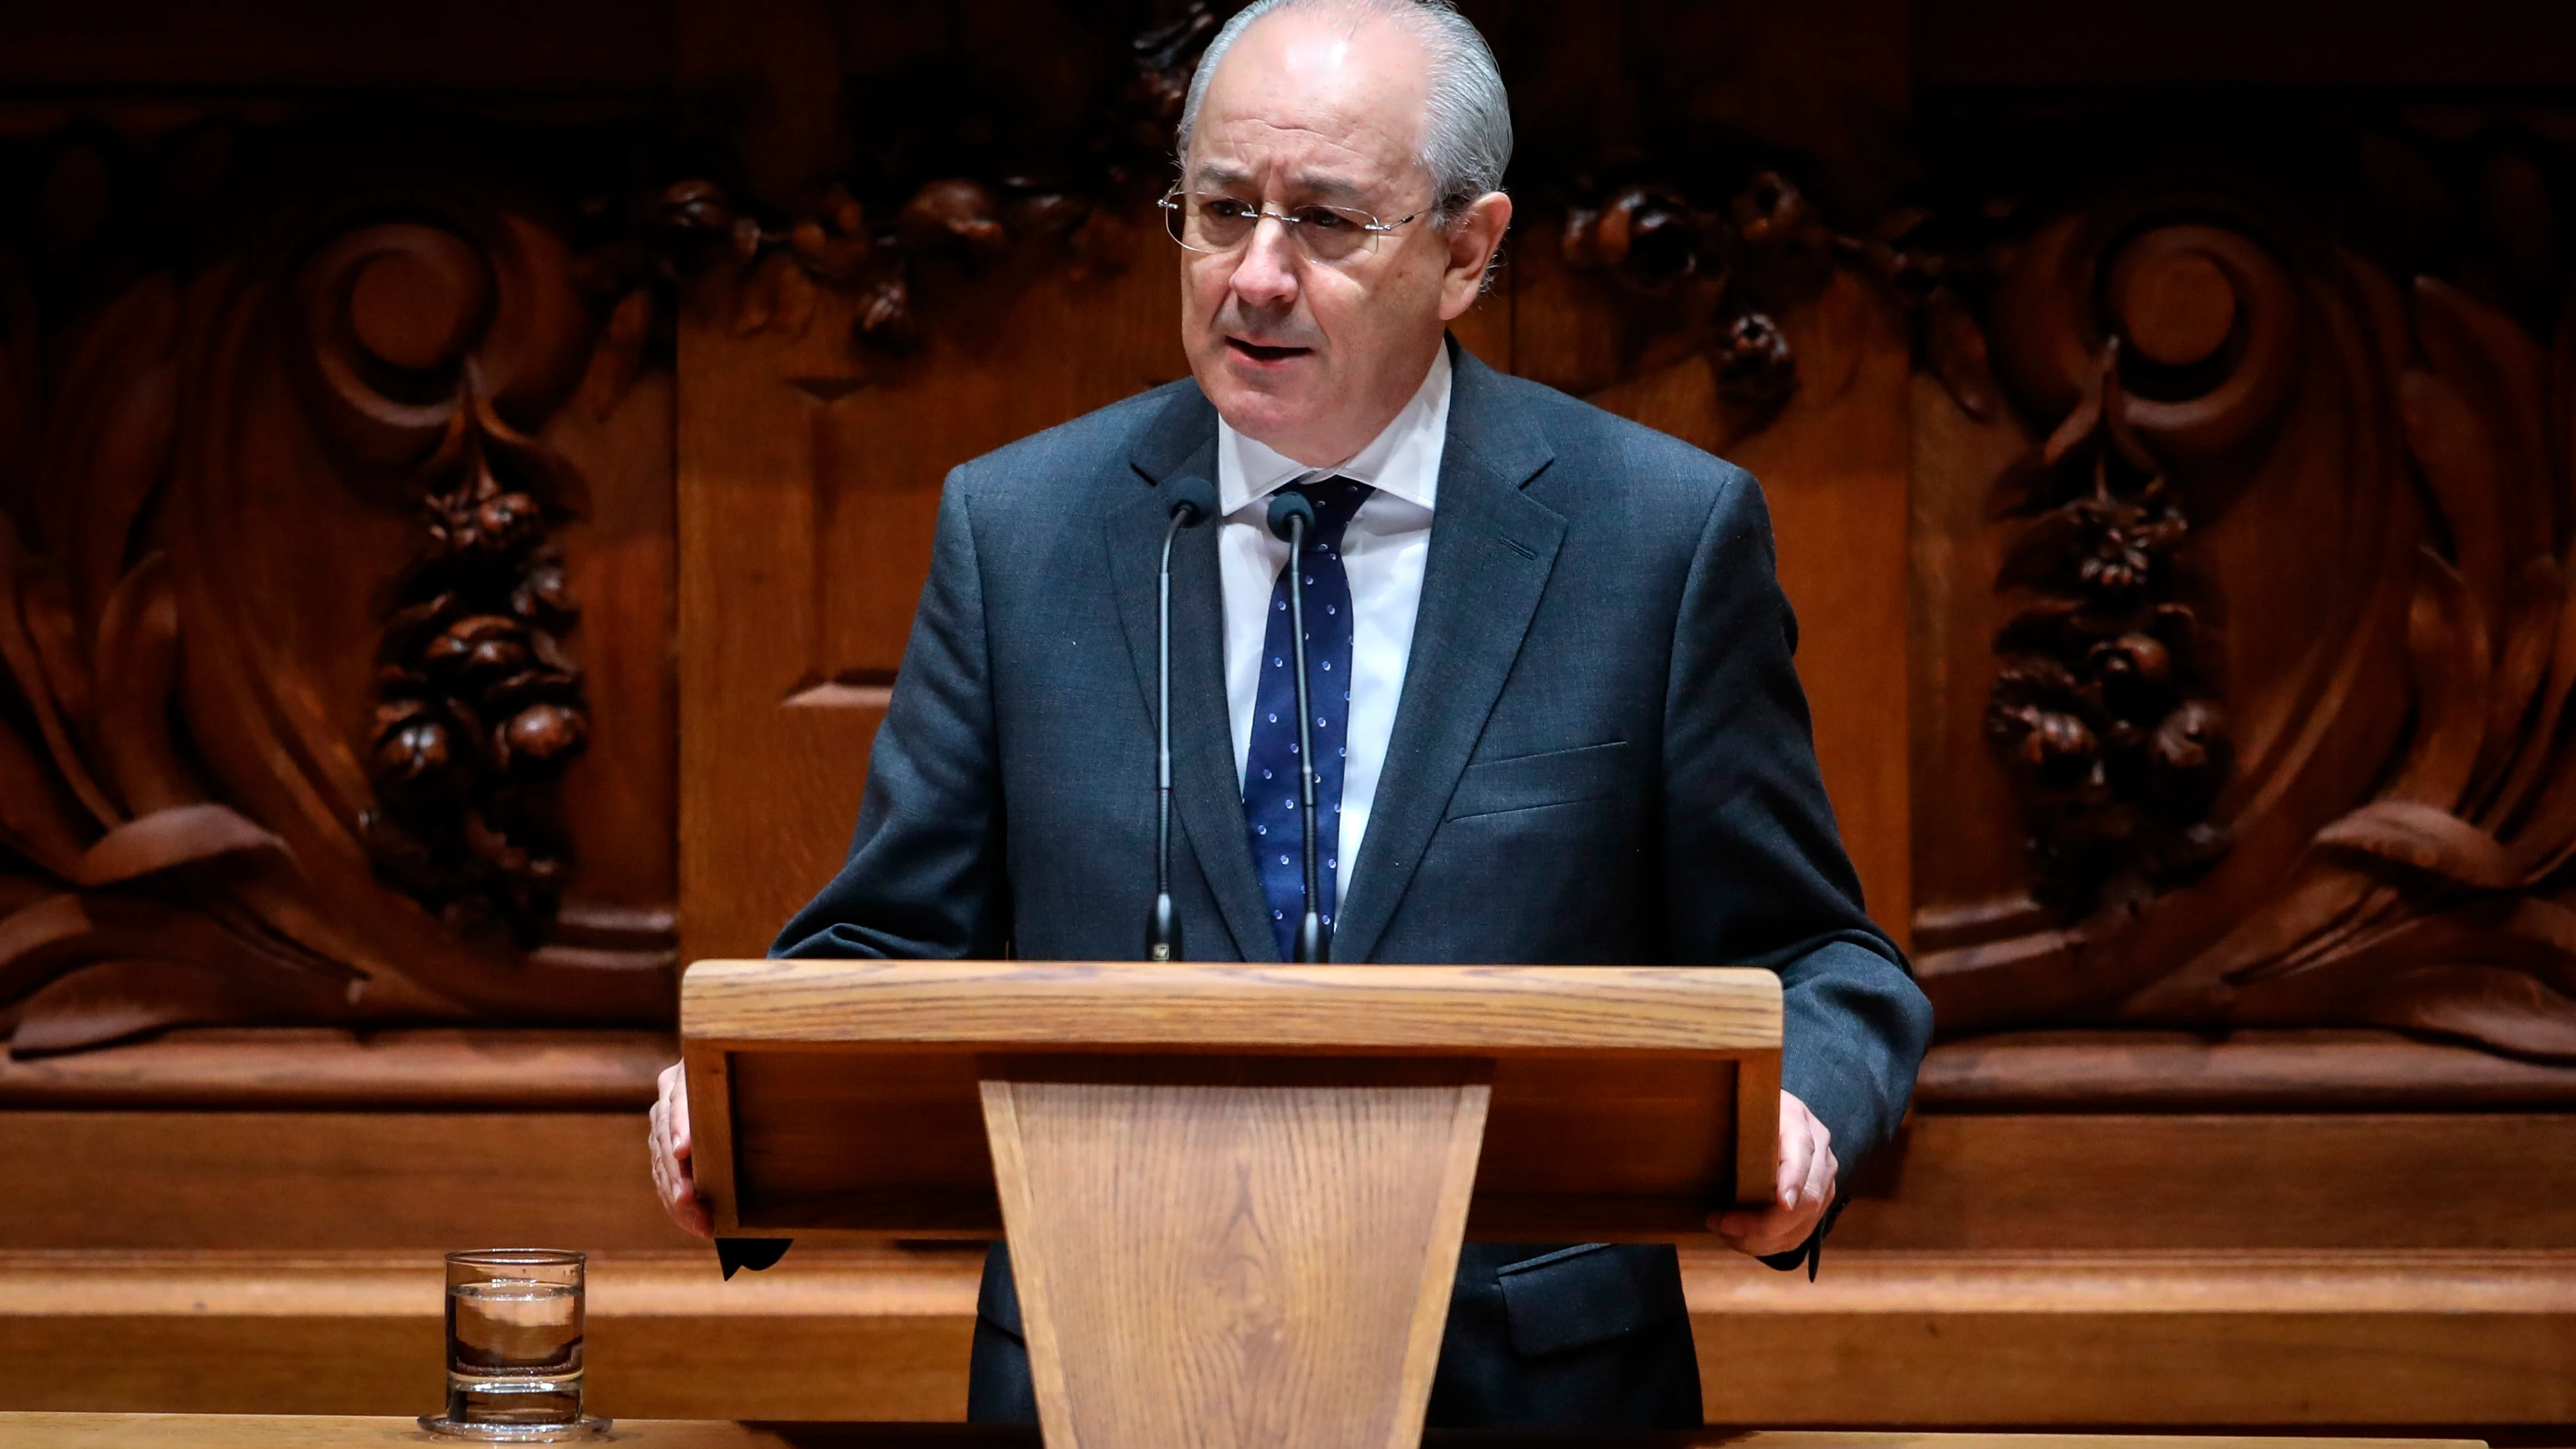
(1270, 765)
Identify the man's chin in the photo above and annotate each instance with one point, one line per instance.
(1263, 412)
(1263, 401)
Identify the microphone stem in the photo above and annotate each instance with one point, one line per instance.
(1310, 930)
(1163, 929)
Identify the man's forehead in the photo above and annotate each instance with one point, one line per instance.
(1338, 96)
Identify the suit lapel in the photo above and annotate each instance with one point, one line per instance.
(1206, 793)
(1492, 548)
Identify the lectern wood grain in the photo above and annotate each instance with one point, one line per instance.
(1225, 1007)
(1252, 1253)
(1235, 1194)
(839, 1098)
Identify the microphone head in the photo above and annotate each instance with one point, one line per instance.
(1285, 506)
(1191, 499)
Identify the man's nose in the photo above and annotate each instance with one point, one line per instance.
(1266, 278)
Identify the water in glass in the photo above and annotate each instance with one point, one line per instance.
(514, 1346)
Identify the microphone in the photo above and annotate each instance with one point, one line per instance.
(1291, 514)
(1192, 500)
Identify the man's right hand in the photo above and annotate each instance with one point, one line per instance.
(671, 1175)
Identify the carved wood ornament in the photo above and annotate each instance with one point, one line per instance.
(292, 696)
(2361, 808)
(1764, 250)
(252, 499)
(834, 241)
(478, 708)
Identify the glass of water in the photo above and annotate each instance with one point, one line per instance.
(514, 1328)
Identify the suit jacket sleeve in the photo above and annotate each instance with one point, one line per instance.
(1756, 873)
(924, 876)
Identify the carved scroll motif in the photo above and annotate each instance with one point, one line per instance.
(240, 484)
(2443, 902)
(2373, 488)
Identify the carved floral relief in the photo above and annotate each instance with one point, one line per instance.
(284, 679)
(478, 708)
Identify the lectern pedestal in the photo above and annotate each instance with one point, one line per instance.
(1234, 1194)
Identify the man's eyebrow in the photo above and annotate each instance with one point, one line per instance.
(1332, 186)
(1213, 174)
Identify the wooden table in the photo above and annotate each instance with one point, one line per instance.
(243, 1431)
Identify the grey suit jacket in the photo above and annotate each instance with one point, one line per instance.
(1601, 754)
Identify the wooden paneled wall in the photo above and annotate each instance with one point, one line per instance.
(464, 481)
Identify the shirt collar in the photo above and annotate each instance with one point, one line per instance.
(1403, 459)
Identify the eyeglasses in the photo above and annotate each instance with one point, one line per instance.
(1219, 224)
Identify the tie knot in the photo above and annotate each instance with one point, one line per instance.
(1336, 501)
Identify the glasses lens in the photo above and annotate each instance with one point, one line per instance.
(1223, 223)
(1217, 223)
(1332, 233)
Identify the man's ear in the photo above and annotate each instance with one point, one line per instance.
(1474, 237)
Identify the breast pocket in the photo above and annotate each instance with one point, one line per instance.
(1530, 782)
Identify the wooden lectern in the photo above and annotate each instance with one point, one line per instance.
(1234, 1193)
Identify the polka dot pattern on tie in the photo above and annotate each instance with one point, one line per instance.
(1270, 765)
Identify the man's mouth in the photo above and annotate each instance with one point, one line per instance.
(1259, 353)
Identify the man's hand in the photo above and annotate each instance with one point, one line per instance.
(1799, 1199)
(671, 1175)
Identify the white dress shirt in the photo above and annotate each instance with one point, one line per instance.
(1383, 551)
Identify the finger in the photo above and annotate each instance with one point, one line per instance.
(1734, 1226)
(679, 1193)
(1821, 1169)
(1797, 1150)
(1760, 1228)
(1759, 1234)
(680, 1201)
(670, 1180)
(683, 1191)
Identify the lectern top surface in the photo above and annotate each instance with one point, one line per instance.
(1483, 1010)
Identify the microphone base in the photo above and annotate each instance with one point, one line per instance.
(1163, 930)
(1314, 943)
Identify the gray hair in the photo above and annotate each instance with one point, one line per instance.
(1467, 122)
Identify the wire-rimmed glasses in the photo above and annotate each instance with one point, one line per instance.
(1216, 224)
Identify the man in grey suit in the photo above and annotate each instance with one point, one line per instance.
(1554, 713)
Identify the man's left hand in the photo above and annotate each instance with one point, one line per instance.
(1799, 1199)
